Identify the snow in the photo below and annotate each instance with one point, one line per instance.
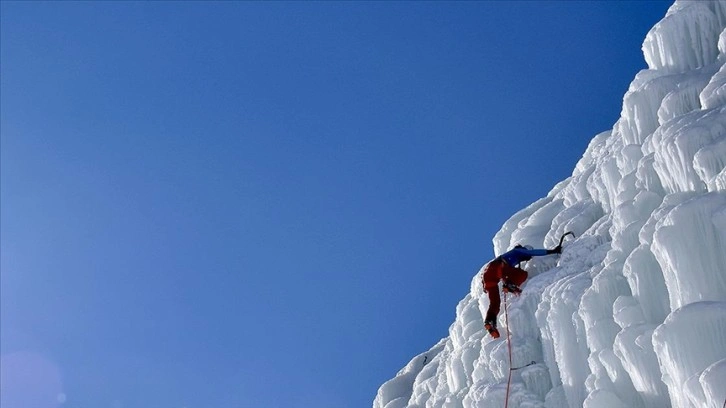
(633, 313)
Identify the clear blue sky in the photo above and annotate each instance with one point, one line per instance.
(278, 204)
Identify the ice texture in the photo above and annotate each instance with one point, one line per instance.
(633, 313)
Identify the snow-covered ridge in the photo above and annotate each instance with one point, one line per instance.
(633, 313)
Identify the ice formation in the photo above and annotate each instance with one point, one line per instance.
(633, 313)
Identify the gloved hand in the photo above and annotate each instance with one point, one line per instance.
(555, 250)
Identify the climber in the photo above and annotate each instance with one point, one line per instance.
(506, 268)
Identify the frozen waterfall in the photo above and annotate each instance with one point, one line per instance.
(633, 313)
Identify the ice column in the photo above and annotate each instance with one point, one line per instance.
(690, 248)
(687, 345)
(686, 39)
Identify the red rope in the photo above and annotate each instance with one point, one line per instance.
(509, 346)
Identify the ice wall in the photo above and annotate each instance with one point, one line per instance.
(633, 313)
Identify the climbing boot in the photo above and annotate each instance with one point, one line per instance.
(491, 327)
(509, 287)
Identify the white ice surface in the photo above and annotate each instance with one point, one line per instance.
(633, 313)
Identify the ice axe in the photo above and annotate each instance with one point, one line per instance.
(562, 238)
(558, 248)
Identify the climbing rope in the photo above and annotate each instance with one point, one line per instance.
(509, 339)
(509, 346)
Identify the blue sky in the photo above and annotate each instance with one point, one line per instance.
(274, 204)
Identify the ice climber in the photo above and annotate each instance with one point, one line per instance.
(506, 268)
